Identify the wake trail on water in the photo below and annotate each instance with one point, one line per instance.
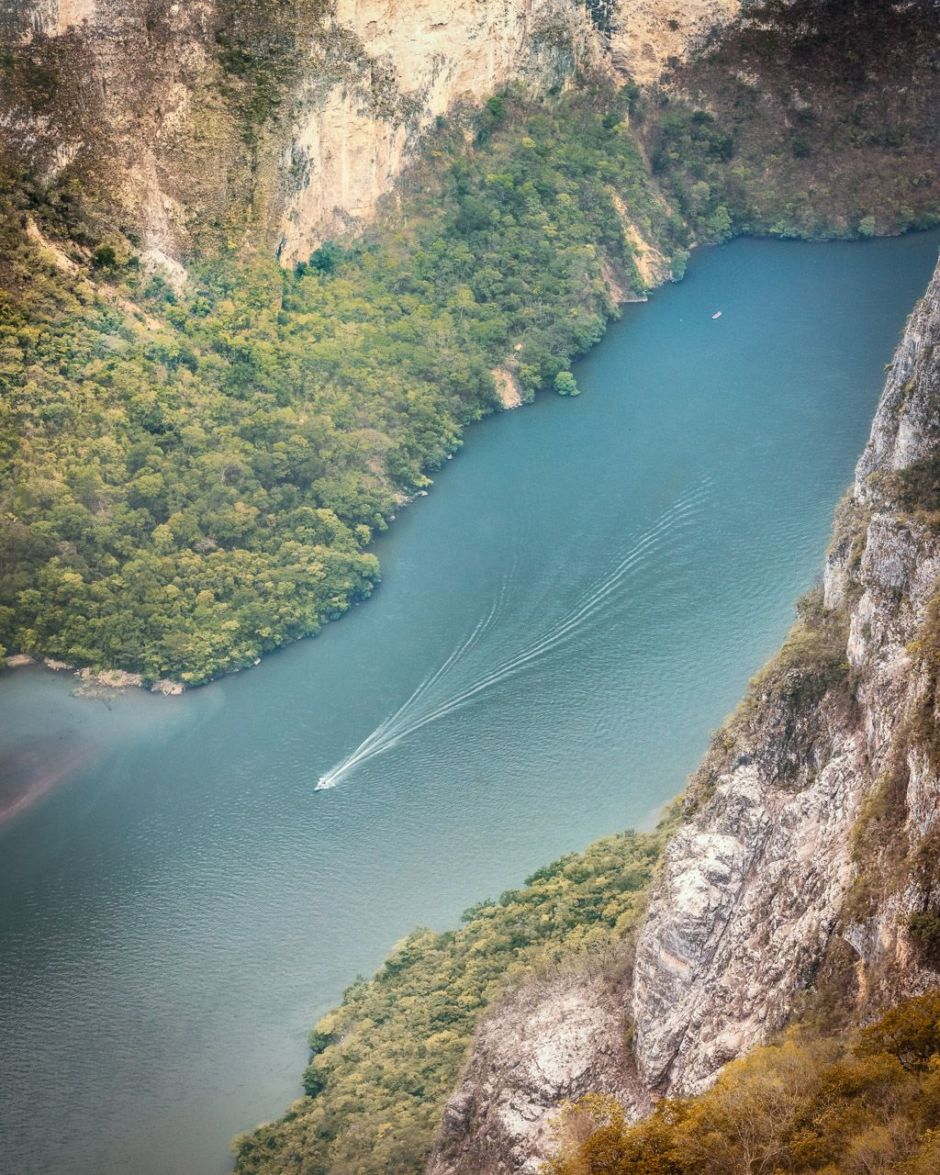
(409, 718)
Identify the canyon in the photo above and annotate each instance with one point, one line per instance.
(147, 142)
(807, 848)
(148, 109)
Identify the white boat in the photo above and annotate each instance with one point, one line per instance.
(717, 314)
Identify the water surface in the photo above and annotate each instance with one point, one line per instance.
(593, 581)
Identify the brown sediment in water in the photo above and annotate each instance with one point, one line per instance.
(29, 774)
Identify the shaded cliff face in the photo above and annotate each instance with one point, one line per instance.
(772, 872)
(804, 877)
(211, 122)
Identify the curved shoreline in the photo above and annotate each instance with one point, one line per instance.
(113, 678)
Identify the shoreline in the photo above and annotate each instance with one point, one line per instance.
(96, 683)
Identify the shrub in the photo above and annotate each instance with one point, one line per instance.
(924, 932)
(803, 1105)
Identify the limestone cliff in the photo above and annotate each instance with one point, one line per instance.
(755, 892)
(647, 35)
(804, 875)
(211, 119)
(416, 60)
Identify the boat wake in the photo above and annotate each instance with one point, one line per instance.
(415, 712)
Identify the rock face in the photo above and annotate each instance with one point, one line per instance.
(548, 1043)
(812, 834)
(755, 885)
(427, 55)
(417, 59)
(178, 114)
(645, 36)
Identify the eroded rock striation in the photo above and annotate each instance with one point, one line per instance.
(806, 865)
(198, 120)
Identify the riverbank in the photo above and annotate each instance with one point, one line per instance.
(511, 395)
(96, 680)
(574, 1030)
(189, 869)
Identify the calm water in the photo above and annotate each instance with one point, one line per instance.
(592, 582)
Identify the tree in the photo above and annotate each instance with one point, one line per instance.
(566, 384)
(910, 1032)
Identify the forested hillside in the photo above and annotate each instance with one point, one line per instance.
(191, 476)
(190, 480)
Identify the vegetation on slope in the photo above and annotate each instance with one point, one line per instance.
(858, 1105)
(190, 485)
(808, 118)
(386, 1059)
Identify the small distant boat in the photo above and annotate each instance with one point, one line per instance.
(322, 784)
(717, 314)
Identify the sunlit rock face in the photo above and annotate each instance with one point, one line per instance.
(647, 33)
(547, 1043)
(414, 61)
(139, 102)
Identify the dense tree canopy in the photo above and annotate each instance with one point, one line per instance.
(189, 481)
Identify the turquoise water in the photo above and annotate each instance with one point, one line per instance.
(563, 621)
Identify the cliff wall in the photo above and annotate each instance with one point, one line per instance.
(190, 124)
(804, 876)
(352, 137)
(774, 873)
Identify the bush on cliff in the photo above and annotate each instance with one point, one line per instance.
(801, 1107)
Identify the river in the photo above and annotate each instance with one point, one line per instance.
(563, 620)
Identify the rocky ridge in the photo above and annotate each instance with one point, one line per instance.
(807, 860)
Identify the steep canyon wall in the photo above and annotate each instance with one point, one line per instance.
(804, 876)
(200, 121)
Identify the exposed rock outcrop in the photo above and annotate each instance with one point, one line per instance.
(565, 1035)
(646, 36)
(810, 843)
(209, 118)
(417, 60)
